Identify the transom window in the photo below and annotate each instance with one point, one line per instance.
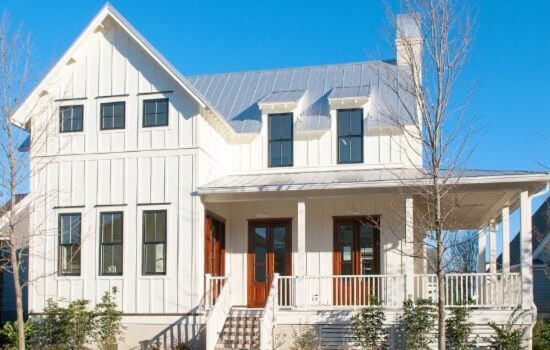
(112, 115)
(155, 112)
(350, 136)
(280, 131)
(154, 242)
(110, 251)
(69, 244)
(71, 118)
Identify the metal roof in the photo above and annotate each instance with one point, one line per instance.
(236, 95)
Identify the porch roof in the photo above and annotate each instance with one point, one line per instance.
(364, 178)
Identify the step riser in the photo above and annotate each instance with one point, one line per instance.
(240, 331)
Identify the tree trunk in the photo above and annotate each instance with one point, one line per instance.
(18, 297)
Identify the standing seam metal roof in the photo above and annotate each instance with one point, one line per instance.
(236, 95)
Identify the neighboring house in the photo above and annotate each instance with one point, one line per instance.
(541, 258)
(7, 292)
(190, 195)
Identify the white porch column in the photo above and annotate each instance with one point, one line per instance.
(300, 268)
(492, 247)
(408, 249)
(481, 245)
(506, 240)
(526, 251)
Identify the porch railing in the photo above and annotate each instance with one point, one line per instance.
(287, 291)
(472, 289)
(353, 291)
(269, 316)
(219, 310)
(213, 287)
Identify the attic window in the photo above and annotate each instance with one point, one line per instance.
(71, 118)
(155, 113)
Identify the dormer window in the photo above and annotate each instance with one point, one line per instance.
(350, 136)
(280, 135)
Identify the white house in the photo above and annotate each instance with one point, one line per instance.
(263, 198)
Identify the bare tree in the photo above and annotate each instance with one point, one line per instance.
(462, 252)
(432, 46)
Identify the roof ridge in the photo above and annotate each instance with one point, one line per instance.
(294, 67)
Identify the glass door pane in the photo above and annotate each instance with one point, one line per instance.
(366, 249)
(260, 254)
(346, 248)
(279, 245)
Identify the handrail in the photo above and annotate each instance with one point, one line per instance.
(213, 287)
(269, 317)
(218, 314)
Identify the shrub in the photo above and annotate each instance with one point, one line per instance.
(304, 339)
(417, 323)
(368, 326)
(508, 336)
(10, 336)
(541, 335)
(107, 325)
(459, 329)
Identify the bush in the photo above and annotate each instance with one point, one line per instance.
(418, 323)
(304, 340)
(107, 325)
(368, 326)
(508, 336)
(9, 335)
(458, 329)
(541, 335)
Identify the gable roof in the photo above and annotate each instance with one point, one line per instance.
(21, 116)
(236, 95)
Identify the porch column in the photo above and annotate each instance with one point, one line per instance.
(526, 251)
(506, 240)
(481, 245)
(408, 249)
(492, 247)
(300, 267)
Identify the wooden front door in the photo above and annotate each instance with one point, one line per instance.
(269, 252)
(214, 245)
(356, 253)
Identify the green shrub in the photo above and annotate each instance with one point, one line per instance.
(368, 326)
(458, 329)
(541, 335)
(10, 336)
(304, 339)
(417, 323)
(508, 336)
(107, 325)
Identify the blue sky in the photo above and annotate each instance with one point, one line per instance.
(510, 59)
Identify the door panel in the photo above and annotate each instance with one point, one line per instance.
(269, 252)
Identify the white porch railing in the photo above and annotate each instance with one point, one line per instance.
(287, 291)
(221, 303)
(472, 289)
(213, 287)
(353, 291)
(269, 317)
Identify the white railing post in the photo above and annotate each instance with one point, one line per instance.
(408, 260)
(218, 312)
(207, 291)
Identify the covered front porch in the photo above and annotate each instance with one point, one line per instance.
(312, 251)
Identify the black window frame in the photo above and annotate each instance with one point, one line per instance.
(270, 141)
(350, 135)
(112, 105)
(61, 109)
(61, 245)
(156, 100)
(102, 244)
(144, 242)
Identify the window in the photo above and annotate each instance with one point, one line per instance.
(280, 139)
(350, 136)
(112, 115)
(154, 242)
(69, 244)
(155, 112)
(110, 242)
(71, 118)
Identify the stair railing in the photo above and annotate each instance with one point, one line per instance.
(218, 314)
(269, 317)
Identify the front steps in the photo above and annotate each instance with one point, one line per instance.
(241, 330)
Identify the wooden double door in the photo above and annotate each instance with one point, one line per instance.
(269, 252)
(356, 254)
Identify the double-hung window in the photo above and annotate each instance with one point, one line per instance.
(71, 118)
(280, 138)
(154, 242)
(155, 112)
(112, 115)
(350, 136)
(110, 242)
(69, 244)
